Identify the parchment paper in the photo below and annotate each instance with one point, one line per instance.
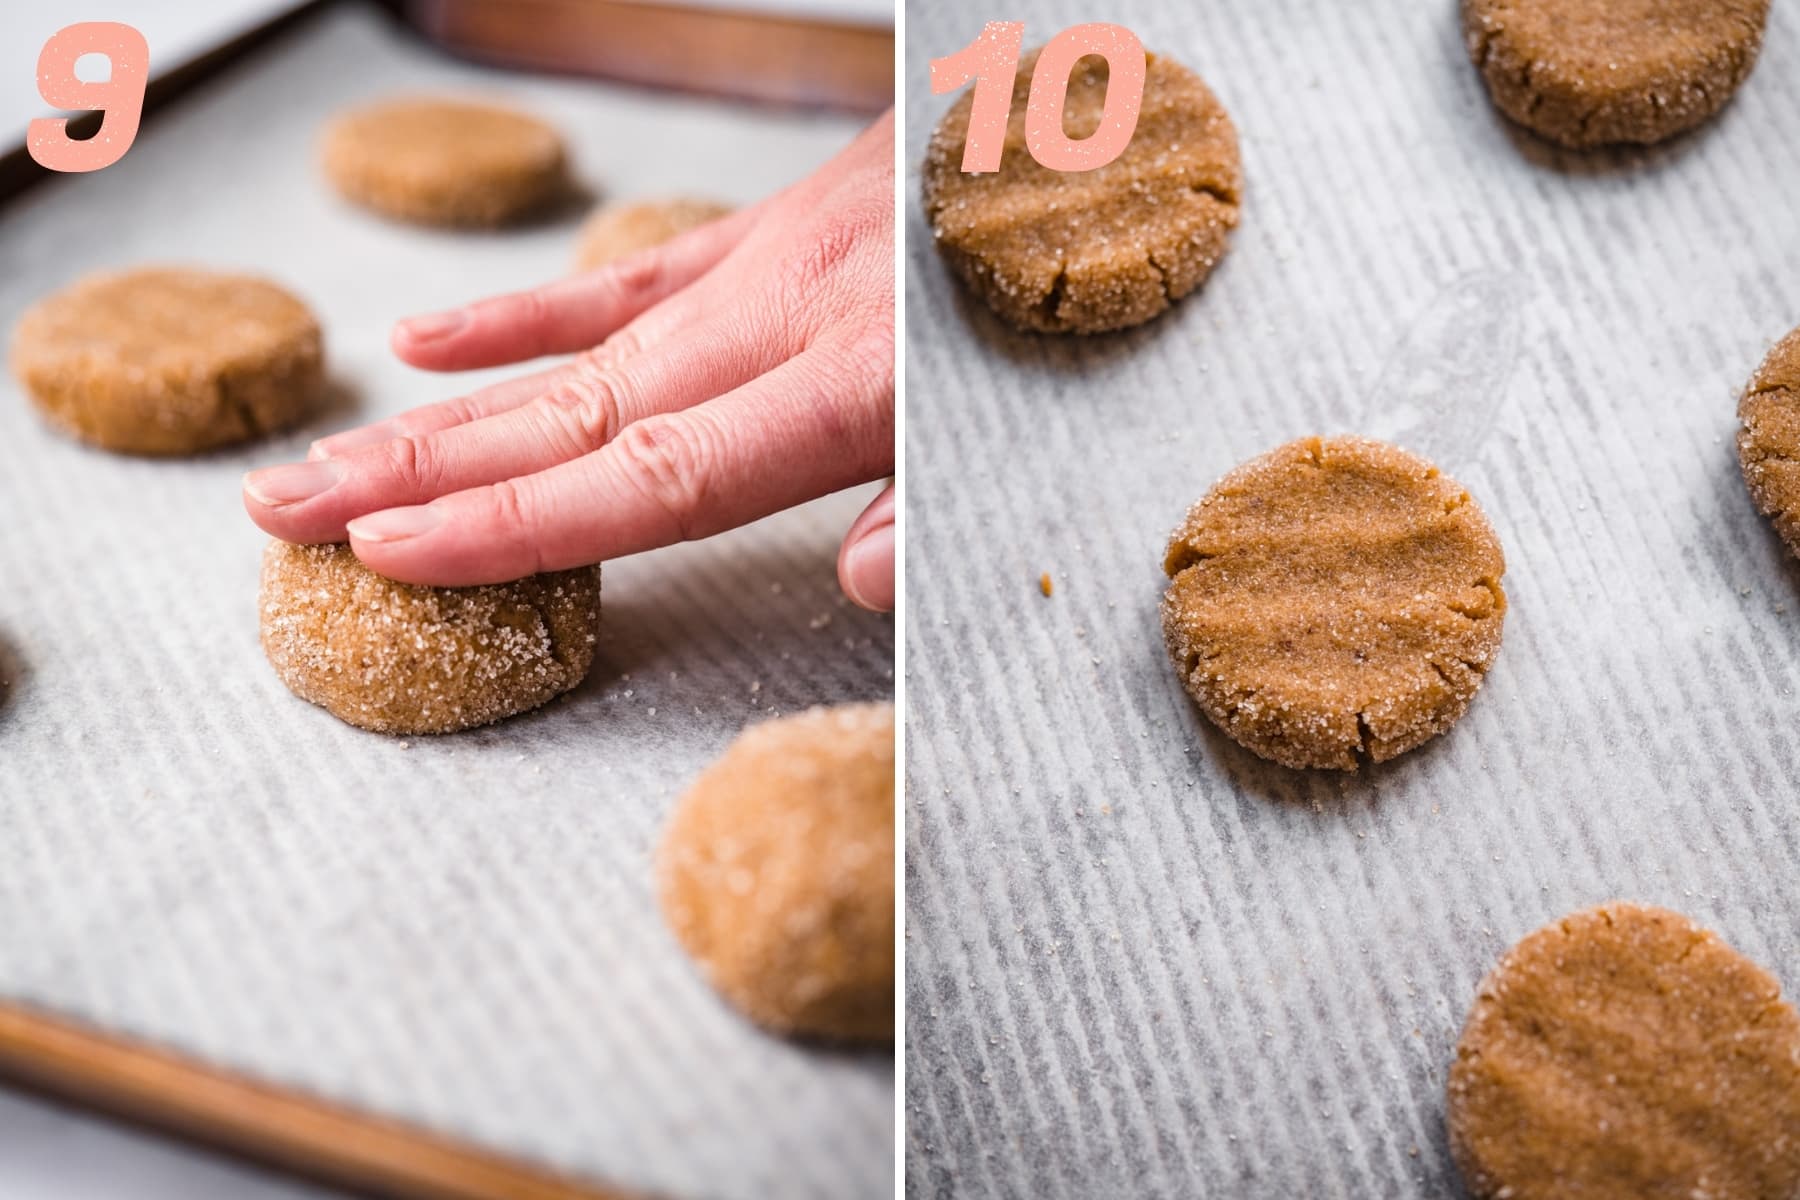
(1143, 962)
(457, 931)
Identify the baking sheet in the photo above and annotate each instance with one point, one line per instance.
(460, 931)
(1142, 961)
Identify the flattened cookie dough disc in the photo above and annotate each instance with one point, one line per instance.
(444, 162)
(1625, 1053)
(1334, 598)
(777, 873)
(166, 360)
(1588, 73)
(1089, 251)
(396, 658)
(622, 229)
(1769, 438)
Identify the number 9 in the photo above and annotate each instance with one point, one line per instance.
(121, 96)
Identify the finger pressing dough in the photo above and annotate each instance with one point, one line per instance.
(1769, 438)
(623, 229)
(1089, 251)
(398, 658)
(1335, 598)
(166, 360)
(444, 162)
(1591, 72)
(777, 873)
(1625, 1053)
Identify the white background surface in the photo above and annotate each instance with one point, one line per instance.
(1142, 961)
(458, 932)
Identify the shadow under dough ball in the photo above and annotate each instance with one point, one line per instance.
(1090, 251)
(777, 873)
(445, 162)
(398, 658)
(1588, 73)
(169, 360)
(619, 230)
(1625, 1053)
(1769, 438)
(1333, 599)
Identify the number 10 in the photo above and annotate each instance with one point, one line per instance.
(992, 61)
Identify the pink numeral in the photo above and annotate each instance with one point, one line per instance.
(1125, 61)
(992, 61)
(121, 96)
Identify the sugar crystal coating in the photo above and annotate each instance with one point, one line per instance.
(399, 658)
(1588, 73)
(1333, 599)
(777, 873)
(1769, 438)
(1090, 251)
(1625, 1053)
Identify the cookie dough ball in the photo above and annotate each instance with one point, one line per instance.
(1332, 599)
(777, 873)
(1089, 251)
(1625, 1053)
(1591, 72)
(165, 360)
(397, 658)
(622, 229)
(445, 162)
(1769, 438)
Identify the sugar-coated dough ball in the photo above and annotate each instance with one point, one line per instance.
(445, 162)
(619, 230)
(777, 873)
(1333, 599)
(399, 658)
(1625, 1053)
(170, 360)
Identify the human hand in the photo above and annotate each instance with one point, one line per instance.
(735, 371)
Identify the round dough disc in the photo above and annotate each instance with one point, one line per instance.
(777, 873)
(1769, 438)
(1625, 1053)
(1089, 251)
(622, 229)
(166, 360)
(444, 162)
(398, 658)
(1332, 599)
(1588, 73)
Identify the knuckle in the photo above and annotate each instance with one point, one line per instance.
(409, 459)
(667, 461)
(582, 413)
(638, 274)
(512, 517)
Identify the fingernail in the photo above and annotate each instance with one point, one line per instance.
(292, 482)
(432, 326)
(869, 569)
(354, 439)
(396, 524)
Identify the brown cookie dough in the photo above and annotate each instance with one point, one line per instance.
(621, 229)
(1335, 598)
(1625, 1053)
(1592, 72)
(777, 873)
(397, 658)
(1769, 438)
(166, 360)
(1089, 251)
(445, 162)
